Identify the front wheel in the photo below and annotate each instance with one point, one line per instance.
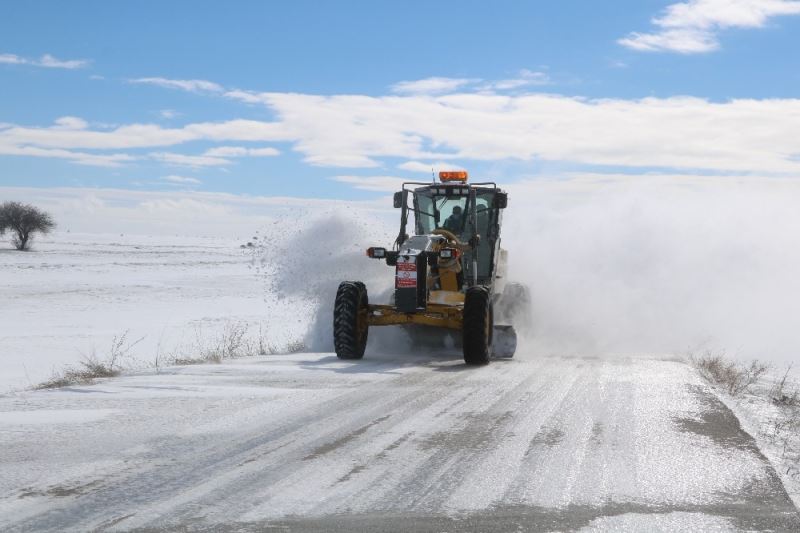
(477, 326)
(350, 320)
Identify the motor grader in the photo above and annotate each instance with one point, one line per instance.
(449, 275)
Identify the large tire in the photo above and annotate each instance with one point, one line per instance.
(350, 314)
(477, 326)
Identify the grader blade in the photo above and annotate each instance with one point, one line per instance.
(504, 341)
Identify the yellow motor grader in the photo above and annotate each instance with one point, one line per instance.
(450, 274)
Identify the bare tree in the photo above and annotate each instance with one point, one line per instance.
(23, 221)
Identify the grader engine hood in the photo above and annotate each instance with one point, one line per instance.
(411, 273)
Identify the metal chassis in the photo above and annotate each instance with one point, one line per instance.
(437, 315)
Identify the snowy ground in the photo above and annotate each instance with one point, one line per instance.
(71, 295)
(398, 441)
(775, 426)
(412, 443)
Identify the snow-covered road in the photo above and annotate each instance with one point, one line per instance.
(306, 442)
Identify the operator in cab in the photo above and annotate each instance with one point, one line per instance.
(453, 223)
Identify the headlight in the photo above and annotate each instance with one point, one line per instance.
(449, 253)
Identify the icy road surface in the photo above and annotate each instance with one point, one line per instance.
(392, 443)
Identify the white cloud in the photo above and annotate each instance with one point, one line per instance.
(184, 85)
(684, 41)
(239, 151)
(226, 151)
(70, 123)
(145, 135)
(183, 160)
(341, 160)
(693, 26)
(726, 13)
(372, 183)
(263, 152)
(248, 97)
(181, 180)
(11, 59)
(434, 85)
(168, 113)
(49, 61)
(427, 168)
(741, 135)
(525, 78)
(440, 85)
(46, 61)
(353, 131)
(80, 158)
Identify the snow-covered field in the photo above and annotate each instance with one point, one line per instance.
(71, 295)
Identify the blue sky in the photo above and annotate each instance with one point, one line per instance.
(345, 99)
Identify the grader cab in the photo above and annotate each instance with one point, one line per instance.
(450, 274)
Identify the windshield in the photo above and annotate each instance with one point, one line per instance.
(440, 211)
(452, 212)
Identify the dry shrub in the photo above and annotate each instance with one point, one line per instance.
(296, 347)
(92, 367)
(229, 344)
(232, 343)
(735, 378)
(784, 394)
(784, 431)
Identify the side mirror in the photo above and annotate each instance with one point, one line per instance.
(501, 200)
(376, 252)
(399, 199)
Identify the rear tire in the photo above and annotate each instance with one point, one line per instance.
(350, 314)
(477, 326)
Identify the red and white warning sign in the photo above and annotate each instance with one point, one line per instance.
(406, 272)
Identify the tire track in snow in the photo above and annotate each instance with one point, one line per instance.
(421, 443)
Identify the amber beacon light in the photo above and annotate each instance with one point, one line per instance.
(453, 175)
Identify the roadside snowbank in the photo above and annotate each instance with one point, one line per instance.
(775, 428)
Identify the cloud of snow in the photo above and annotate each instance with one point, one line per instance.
(616, 264)
(659, 264)
(304, 256)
